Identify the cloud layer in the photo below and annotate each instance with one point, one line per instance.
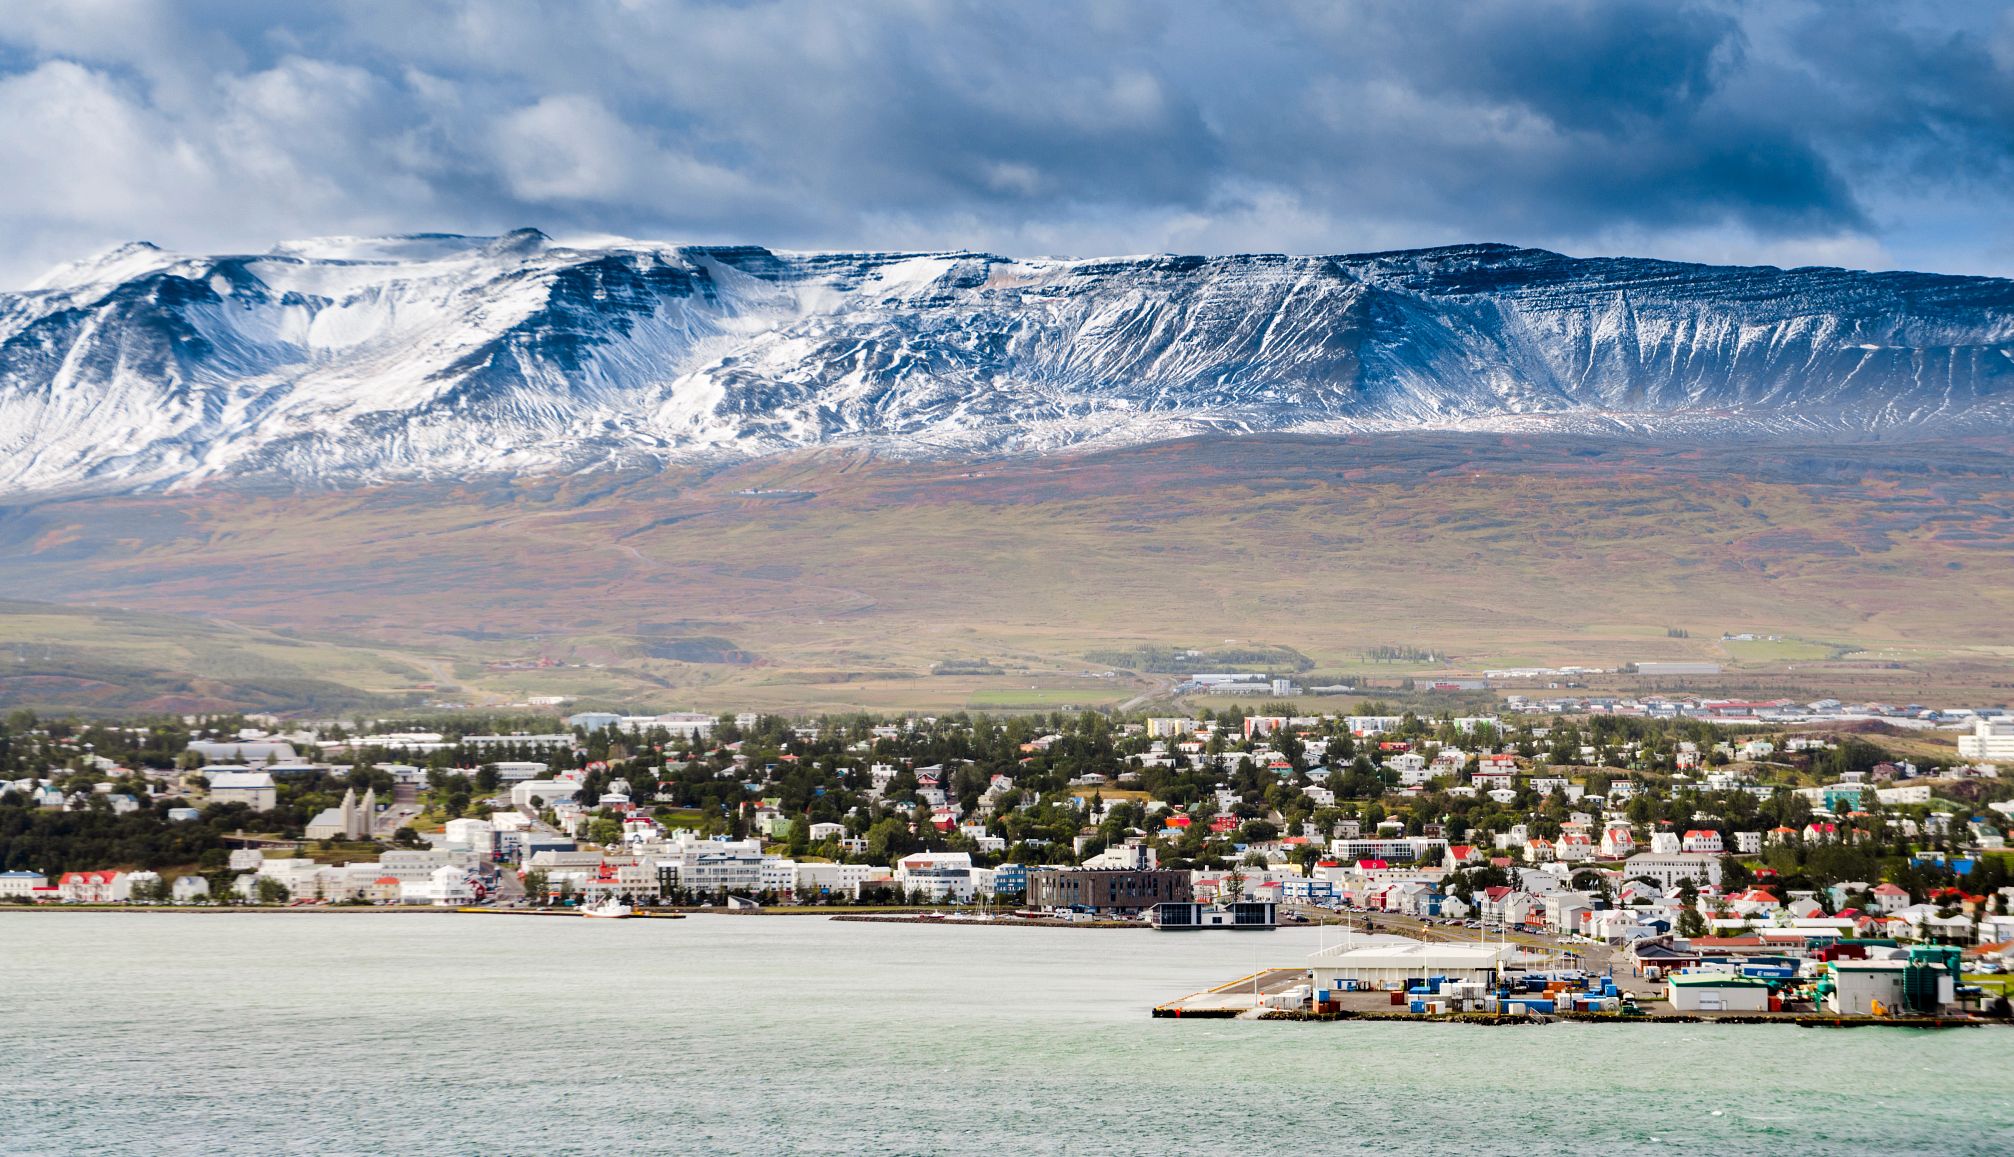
(1871, 134)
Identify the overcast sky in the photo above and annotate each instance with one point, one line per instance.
(1875, 135)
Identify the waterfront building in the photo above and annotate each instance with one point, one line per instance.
(1107, 892)
(1716, 992)
(1376, 961)
(939, 876)
(22, 884)
(1240, 915)
(91, 887)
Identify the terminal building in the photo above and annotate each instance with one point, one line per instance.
(1361, 962)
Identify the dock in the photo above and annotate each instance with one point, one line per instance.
(639, 914)
(1236, 998)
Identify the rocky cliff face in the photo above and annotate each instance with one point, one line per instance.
(345, 360)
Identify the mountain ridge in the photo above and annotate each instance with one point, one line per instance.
(338, 361)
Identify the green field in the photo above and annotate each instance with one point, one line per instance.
(1031, 699)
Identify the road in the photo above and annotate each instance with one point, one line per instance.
(405, 807)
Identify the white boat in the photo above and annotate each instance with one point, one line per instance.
(609, 909)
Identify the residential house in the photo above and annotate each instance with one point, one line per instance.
(102, 887)
(1616, 840)
(189, 889)
(1573, 848)
(1703, 841)
(1890, 898)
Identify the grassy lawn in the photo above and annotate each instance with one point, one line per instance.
(1035, 698)
(1784, 650)
(1111, 793)
(338, 853)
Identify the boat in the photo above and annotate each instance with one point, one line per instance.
(609, 909)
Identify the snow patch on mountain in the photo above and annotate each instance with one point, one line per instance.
(343, 360)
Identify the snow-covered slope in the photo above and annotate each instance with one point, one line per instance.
(347, 359)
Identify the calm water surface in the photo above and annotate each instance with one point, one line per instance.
(424, 1034)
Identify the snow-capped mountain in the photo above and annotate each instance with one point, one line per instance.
(350, 359)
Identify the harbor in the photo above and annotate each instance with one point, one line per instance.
(1381, 977)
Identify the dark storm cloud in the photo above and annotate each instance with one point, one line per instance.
(1785, 131)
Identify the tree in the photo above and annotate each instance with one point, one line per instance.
(1734, 874)
(270, 891)
(1691, 923)
(536, 886)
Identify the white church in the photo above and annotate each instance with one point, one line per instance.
(348, 820)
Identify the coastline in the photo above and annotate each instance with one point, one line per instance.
(996, 922)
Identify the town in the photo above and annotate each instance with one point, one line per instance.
(1718, 859)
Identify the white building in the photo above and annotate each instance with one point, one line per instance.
(350, 820)
(939, 876)
(1380, 960)
(471, 835)
(1991, 741)
(22, 884)
(1410, 769)
(1572, 848)
(1666, 870)
(718, 865)
(445, 887)
(1860, 985)
(254, 751)
(834, 879)
(519, 770)
(414, 865)
(1717, 992)
(1704, 841)
(1617, 840)
(538, 793)
(254, 789)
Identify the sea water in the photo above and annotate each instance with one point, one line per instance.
(337, 1033)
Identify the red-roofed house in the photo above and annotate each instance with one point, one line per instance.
(1464, 855)
(90, 887)
(1617, 840)
(1702, 840)
(1573, 848)
(1821, 833)
(1889, 898)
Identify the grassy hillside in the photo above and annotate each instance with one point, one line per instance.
(1884, 570)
